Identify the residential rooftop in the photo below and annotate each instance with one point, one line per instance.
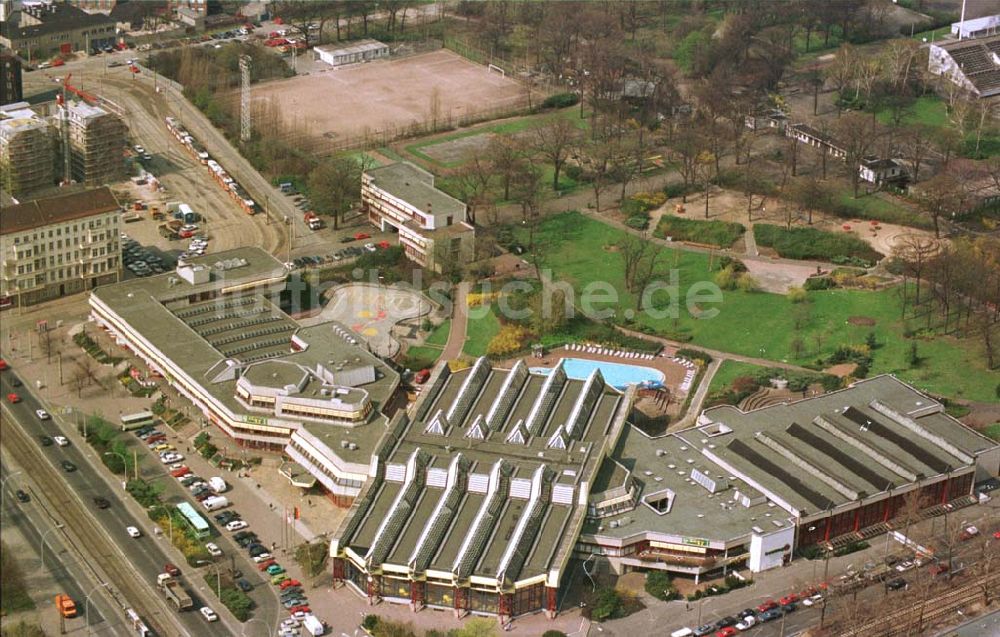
(43, 212)
(415, 186)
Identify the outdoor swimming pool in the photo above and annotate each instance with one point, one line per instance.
(617, 375)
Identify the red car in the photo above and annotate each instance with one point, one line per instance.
(295, 609)
(263, 567)
(361, 236)
(383, 245)
(766, 606)
(176, 473)
(288, 583)
(172, 570)
(996, 534)
(938, 569)
(788, 599)
(153, 440)
(728, 631)
(14, 398)
(3, 364)
(421, 377)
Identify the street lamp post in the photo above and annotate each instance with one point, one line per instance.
(218, 577)
(170, 519)
(41, 542)
(124, 462)
(86, 604)
(3, 487)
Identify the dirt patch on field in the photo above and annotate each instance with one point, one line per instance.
(841, 371)
(861, 320)
(386, 96)
(457, 151)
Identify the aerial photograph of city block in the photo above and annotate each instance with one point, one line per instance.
(454, 318)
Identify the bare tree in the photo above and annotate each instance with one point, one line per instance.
(475, 182)
(856, 134)
(688, 146)
(506, 156)
(939, 196)
(554, 140)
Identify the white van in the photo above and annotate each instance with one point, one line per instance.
(682, 632)
(215, 502)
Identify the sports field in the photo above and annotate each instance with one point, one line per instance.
(345, 102)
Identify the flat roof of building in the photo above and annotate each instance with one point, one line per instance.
(814, 454)
(415, 186)
(241, 325)
(356, 47)
(43, 212)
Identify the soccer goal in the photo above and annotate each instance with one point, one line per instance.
(493, 68)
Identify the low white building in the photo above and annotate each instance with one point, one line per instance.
(361, 51)
(879, 171)
(973, 65)
(976, 28)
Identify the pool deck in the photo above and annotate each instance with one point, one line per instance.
(673, 372)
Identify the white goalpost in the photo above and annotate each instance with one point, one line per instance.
(493, 68)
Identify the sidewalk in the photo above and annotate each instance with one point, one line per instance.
(459, 323)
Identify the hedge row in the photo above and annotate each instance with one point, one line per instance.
(718, 233)
(810, 243)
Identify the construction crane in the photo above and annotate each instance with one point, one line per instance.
(64, 121)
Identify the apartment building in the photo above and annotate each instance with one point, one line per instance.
(11, 87)
(433, 226)
(57, 246)
(27, 149)
(97, 139)
(49, 29)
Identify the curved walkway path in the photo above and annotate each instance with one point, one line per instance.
(459, 321)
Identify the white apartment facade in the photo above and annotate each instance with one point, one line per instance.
(57, 246)
(432, 225)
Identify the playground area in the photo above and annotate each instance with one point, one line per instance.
(389, 97)
(372, 312)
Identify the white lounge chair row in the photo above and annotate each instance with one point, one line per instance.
(606, 351)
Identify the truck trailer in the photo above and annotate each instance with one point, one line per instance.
(173, 591)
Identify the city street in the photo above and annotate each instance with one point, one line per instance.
(134, 559)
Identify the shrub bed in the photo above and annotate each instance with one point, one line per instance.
(718, 233)
(810, 243)
(238, 602)
(731, 583)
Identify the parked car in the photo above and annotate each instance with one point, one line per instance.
(770, 615)
(275, 569)
(236, 525)
(728, 631)
(263, 557)
(747, 622)
(726, 621)
(701, 631)
(279, 578)
(896, 584)
(791, 598)
(904, 566)
(811, 601)
(213, 549)
(289, 583)
(244, 585)
(294, 602)
(266, 564)
(766, 606)
(968, 533)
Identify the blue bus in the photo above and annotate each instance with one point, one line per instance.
(194, 520)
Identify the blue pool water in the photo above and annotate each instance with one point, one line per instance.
(618, 375)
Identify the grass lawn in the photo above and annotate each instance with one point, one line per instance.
(874, 207)
(730, 371)
(439, 336)
(419, 357)
(932, 111)
(992, 431)
(757, 323)
(480, 329)
(508, 126)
